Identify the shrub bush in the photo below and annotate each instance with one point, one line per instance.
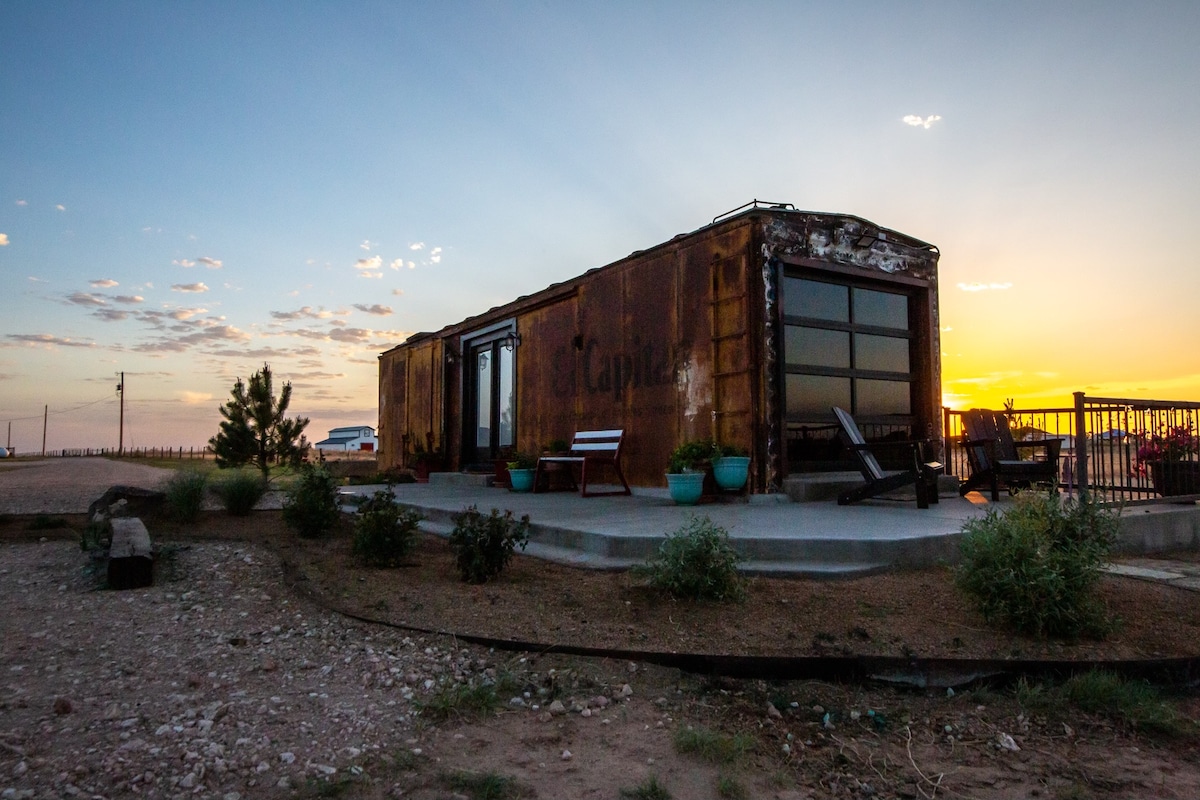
(1036, 566)
(240, 491)
(312, 507)
(483, 546)
(698, 562)
(185, 494)
(384, 533)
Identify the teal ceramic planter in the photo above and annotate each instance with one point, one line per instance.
(521, 480)
(731, 472)
(685, 487)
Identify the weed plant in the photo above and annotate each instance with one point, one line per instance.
(1036, 567)
(483, 785)
(469, 699)
(697, 562)
(312, 507)
(712, 746)
(240, 491)
(730, 789)
(649, 789)
(483, 546)
(384, 532)
(1133, 703)
(184, 494)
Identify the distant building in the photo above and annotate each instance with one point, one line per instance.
(356, 437)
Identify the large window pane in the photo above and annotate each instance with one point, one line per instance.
(816, 347)
(885, 309)
(506, 397)
(884, 353)
(483, 397)
(816, 394)
(803, 298)
(881, 397)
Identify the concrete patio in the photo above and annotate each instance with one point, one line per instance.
(775, 535)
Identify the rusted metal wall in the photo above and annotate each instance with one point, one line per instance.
(675, 343)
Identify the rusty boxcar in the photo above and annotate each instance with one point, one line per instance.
(746, 331)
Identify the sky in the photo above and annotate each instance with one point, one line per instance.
(191, 190)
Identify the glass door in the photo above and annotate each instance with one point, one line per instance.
(491, 400)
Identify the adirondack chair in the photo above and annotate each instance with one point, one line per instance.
(994, 458)
(922, 474)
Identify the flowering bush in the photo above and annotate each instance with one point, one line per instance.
(1171, 444)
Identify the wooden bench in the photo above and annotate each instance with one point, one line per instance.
(589, 449)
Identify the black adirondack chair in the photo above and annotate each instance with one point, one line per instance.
(995, 459)
(922, 474)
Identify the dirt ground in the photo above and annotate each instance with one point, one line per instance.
(236, 677)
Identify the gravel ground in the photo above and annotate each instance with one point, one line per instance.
(209, 685)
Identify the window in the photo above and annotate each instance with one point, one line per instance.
(848, 345)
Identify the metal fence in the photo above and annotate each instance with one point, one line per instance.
(1119, 450)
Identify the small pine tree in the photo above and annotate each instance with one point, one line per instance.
(256, 429)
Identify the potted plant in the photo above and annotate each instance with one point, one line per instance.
(521, 469)
(686, 469)
(1167, 457)
(731, 466)
(424, 458)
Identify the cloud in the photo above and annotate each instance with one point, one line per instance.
(3, 239)
(33, 279)
(206, 335)
(22, 202)
(306, 312)
(376, 309)
(110, 314)
(60, 207)
(921, 122)
(47, 340)
(194, 398)
(183, 262)
(397, 263)
(417, 246)
(211, 263)
(103, 283)
(181, 314)
(374, 262)
(435, 255)
(367, 245)
(189, 287)
(129, 299)
(397, 292)
(87, 299)
(983, 287)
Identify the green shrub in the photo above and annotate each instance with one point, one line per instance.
(185, 494)
(385, 533)
(1036, 567)
(712, 746)
(312, 507)
(649, 789)
(240, 491)
(483, 545)
(698, 562)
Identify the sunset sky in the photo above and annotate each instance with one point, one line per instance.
(188, 190)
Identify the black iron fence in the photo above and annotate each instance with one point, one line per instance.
(1118, 450)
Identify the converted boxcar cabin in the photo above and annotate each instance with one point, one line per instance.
(747, 330)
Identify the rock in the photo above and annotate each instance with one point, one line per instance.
(626, 691)
(773, 712)
(62, 706)
(557, 708)
(125, 501)
(566, 755)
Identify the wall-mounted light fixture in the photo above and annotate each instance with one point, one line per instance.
(511, 341)
(451, 355)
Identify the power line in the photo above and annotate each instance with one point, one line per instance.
(65, 410)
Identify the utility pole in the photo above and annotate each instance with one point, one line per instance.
(45, 419)
(121, 435)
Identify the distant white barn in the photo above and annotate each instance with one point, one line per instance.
(355, 437)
